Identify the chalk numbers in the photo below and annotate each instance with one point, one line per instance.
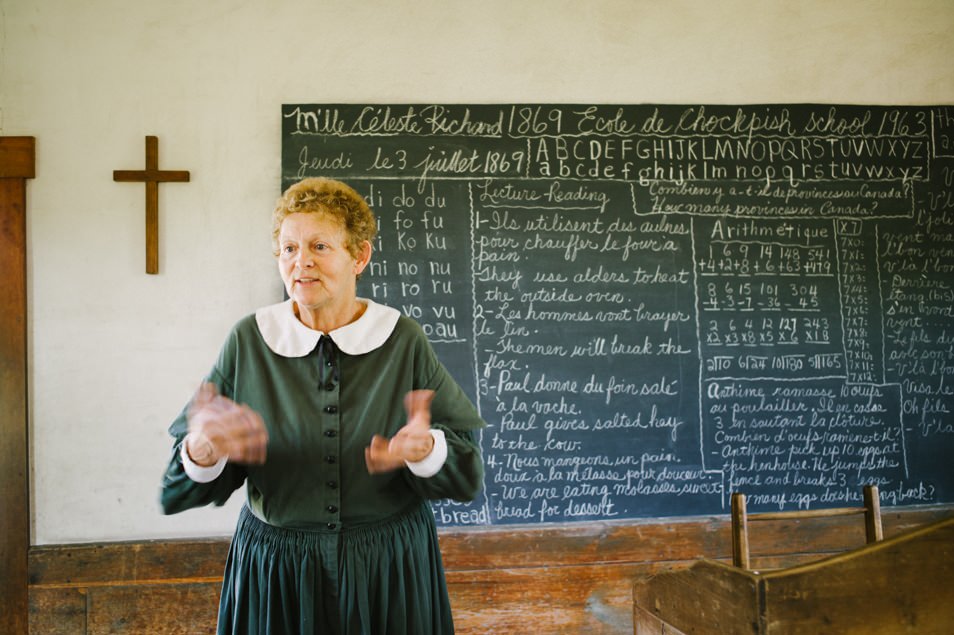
(535, 120)
(743, 259)
(896, 123)
(768, 331)
(748, 295)
(497, 162)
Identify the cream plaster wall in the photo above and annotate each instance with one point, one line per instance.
(115, 353)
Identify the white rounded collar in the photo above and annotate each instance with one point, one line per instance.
(285, 335)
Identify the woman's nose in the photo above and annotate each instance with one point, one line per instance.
(305, 259)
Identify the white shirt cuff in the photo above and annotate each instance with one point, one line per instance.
(433, 462)
(201, 473)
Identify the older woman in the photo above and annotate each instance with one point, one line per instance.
(341, 421)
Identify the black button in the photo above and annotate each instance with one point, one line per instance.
(331, 509)
(330, 525)
(332, 484)
(331, 459)
(331, 409)
(330, 386)
(331, 433)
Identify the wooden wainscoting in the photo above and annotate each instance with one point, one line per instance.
(568, 579)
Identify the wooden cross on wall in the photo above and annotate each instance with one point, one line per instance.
(152, 176)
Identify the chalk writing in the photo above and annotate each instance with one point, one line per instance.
(654, 306)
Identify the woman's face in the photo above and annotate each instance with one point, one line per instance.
(318, 270)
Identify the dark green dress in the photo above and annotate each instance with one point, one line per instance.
(323, 546)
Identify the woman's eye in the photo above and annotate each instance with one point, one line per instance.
(287, 249)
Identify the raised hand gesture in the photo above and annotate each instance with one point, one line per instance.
(412, 443)
(219, 427)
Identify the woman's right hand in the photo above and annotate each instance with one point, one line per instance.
(219, 427)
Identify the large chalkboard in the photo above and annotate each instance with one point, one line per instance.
(656, 305)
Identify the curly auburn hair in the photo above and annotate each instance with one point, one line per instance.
(320, 195)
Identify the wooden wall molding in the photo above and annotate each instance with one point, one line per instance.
(563, 579)
(17, 164)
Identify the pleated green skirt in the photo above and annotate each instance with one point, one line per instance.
(386, 579)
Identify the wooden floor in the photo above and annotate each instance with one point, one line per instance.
(559, 580)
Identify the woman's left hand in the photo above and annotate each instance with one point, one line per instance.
(412, 443)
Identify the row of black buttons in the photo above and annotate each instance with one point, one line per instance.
(330, 459)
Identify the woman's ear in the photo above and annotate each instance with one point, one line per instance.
(363, 258)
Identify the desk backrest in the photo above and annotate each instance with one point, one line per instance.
(741, 519)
